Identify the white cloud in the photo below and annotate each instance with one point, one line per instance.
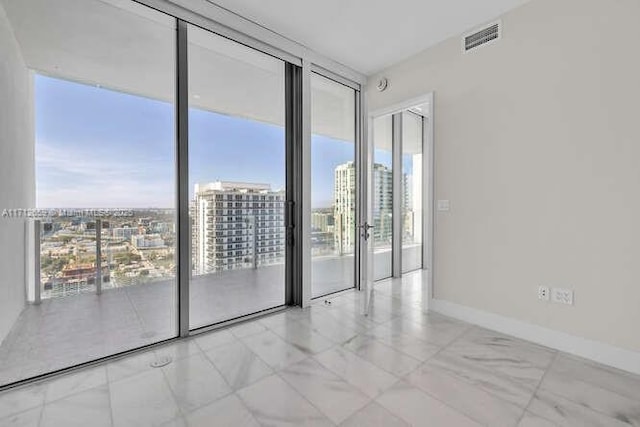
(82, 178)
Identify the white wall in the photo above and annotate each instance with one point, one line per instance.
(538, 149)
(17, 176)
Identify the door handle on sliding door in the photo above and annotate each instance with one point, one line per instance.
(288, 221)
(365, 230)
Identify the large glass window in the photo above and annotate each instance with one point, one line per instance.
(333, 186)
(411, 184)
(88, 137)
(237, 177)
(101, 276)
(382, 197)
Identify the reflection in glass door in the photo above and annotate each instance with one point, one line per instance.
(237, 178)
(333, 186)
(382, 195)
(411, 184)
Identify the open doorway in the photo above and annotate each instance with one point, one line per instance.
(400, 190)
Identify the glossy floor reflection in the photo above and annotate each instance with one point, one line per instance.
(328, 365)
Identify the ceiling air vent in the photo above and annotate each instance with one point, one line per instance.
(482, 37)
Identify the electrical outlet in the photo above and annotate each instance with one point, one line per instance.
(543, 293)
(444, 205)
(562, 296)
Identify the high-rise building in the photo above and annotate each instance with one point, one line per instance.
(382, 203)
(344, 208)
(236, 225)
(411, 201)
(322, 231)
(322, 220)
(147, 241)
(124, 232)
(344, 211)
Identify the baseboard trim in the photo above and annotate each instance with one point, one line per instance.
(606, 354)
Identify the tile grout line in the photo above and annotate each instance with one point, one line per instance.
(309, 401)
(241, 342)
(311, 353)
(448, 404)
(596, 365)
(384, 345)
(173, 395)
(233, 392)
(108, 385)
(340, 345)
(183, 414)
(407, 336)
(41, 416)
(535, 391)
(277, 373)
(396, 378)
(442, 349)
(404, 378)
(45, 383)
(445, 346)
(588, 408)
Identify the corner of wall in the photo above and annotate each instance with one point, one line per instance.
(17, 172)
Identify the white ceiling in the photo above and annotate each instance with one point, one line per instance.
(369, 35)
(123, 46)
(120, 45)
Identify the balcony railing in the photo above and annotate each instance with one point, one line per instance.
(74, 257)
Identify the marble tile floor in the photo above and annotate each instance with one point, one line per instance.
(328, 365)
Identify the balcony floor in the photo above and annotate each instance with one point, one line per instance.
(66, 331)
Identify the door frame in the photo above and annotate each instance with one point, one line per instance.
(428, 184)
(358, 153)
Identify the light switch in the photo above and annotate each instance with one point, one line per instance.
(443, 205)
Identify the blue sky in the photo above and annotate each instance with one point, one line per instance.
(101, 148)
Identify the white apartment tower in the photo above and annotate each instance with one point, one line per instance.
(345, 203)
(382, 203)
(344, 191)
(236, 225)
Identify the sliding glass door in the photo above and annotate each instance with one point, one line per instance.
(95, 274)
(333, 186)
(237, 179)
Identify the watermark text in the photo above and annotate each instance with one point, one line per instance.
(32, 213)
